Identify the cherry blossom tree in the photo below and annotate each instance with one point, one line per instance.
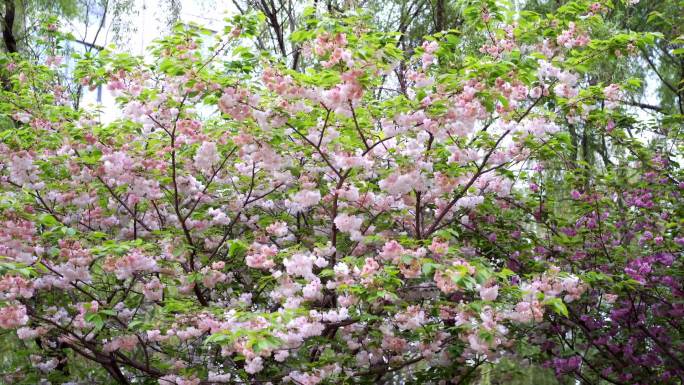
(243, 222)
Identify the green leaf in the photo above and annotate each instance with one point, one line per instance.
(48, 220)
(557, 305)
(237, 249)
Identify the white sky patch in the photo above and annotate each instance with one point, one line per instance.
(148, 21)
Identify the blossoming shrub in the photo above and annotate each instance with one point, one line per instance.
(239, 222)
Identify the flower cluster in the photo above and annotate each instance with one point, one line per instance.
(248, 223)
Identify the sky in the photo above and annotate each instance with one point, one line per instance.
(147, 21)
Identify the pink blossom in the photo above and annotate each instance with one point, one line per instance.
(278, 229)
(525, 312)
(133, 262)
(391, 251)
(211, 278)
(281, 355)
(439, 247)
(610, 298)
(125, 343)
(341, 269)
(345, 161)
(13, 316)
(304, 199)
(304, 378)
(477, 343)
(300, 265)
(26, 333)
(118, 167)
(400, 184)
(172, 379)
(312, 291)
(348, 223)
(444, 281)
(54, 61)
(394, 343)
(612, 94)
(153, 290)
(72, 273)
(206, 157)
(47, 366)
(411, 319)
(235, 102)
(260, 256)
(469, 201)
(370, 267)
(489, 293)
(23, 171)
(216, 377)
(218, 217)
(254, 365)
(12, 287)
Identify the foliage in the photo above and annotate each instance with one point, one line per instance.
(244, 222)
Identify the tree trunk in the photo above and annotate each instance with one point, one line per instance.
(8, 26)
(440, 15)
